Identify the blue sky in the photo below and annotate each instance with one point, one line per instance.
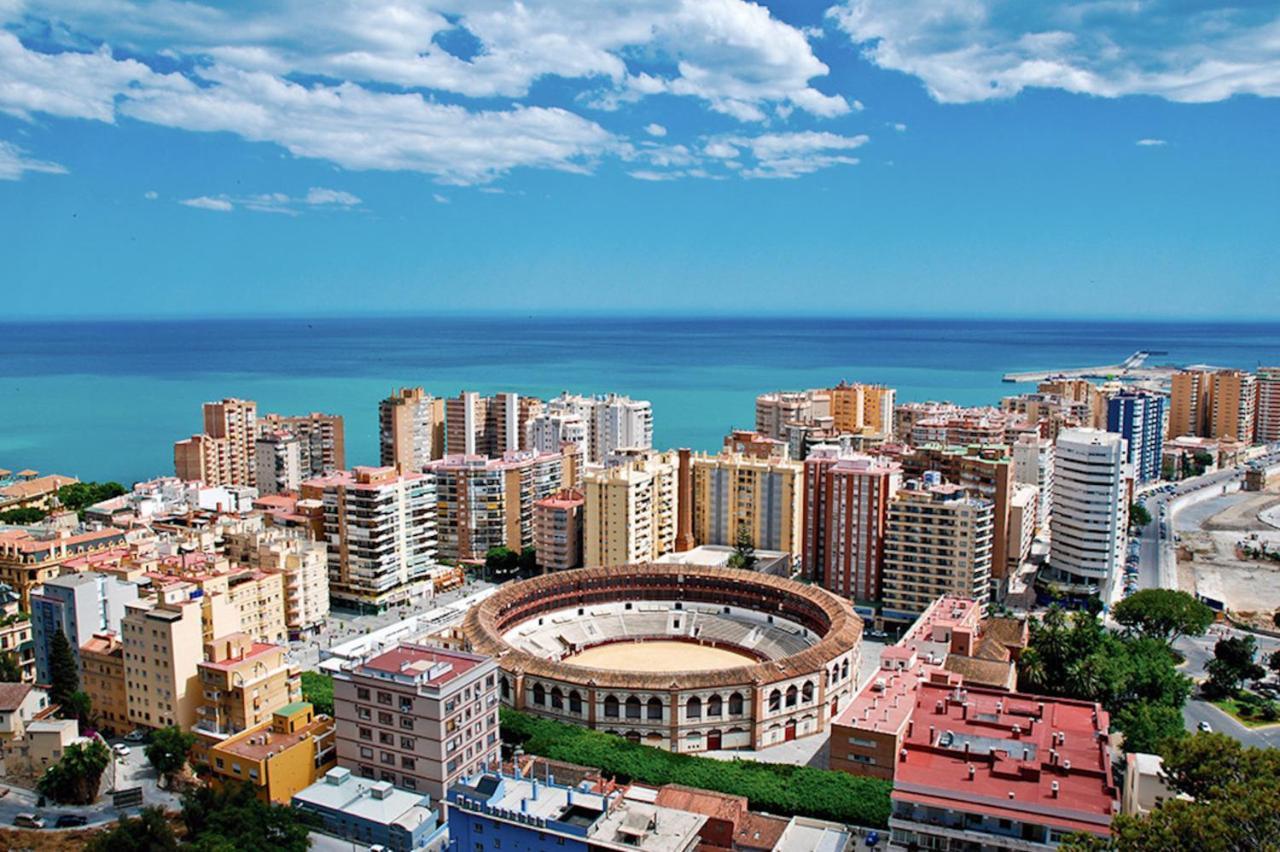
(901, 157)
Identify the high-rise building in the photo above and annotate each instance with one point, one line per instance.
(488, 502)
(1033, 465)
(774, 411)
(1024, 522)
(223, 454)
(1268, 407)
(621, 423)
(557, 530)
(321, 438)
(278, 460)
(162, 651)
(411, 430)
(1139, 417)
(304, 565)
(78, 606)
(733, 493)
(846, 500)
(1234, 396)
(1090, 507)
(1190, 409)
(380, 529)
(630, 510)
(243, 683)
(937, 541)
(862, 408)
(418, 717)
(102, 678)
(488, 425)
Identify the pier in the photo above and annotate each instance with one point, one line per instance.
(1132, 367)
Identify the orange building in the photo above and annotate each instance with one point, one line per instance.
(242, 682)
(102, 679)
(290, 751)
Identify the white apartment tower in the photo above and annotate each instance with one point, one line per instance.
(1090, 507)
(1033, 465)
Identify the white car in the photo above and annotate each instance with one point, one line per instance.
(121, 750)
(1206, 727)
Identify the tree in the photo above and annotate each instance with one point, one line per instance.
(1163, 614)
(528, 561)
(75, 778)
(234, 818)
(1147, 727)
(64, 671)
(79, 706)
(744, 551)
(167, 752)
(1232, 664)
(1138, 515)
(25, 515)
(10, 668)
(150, 831)
(501, 563)
(317, 687)
(78, 496)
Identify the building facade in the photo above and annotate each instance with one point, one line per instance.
(1268, 406)
(78, 606)
(630, 510)
(322, 442)
(1090, 507)
(223, 454)
(733, 494)
(279, 757)
(102, 677)
(380, 530)
(278, 462)
(1033, 465)
(1139, 418)
(242, 684)
(557, 530)
(162, 644)
(411, 430)
(417, 717)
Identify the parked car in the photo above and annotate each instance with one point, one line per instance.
(71, 821)
(1206, 727)
(137, 735)
(28, 821)
(121, 750)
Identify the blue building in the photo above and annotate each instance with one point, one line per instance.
(78, 605)
(1139, 418)
(515, 814)
(373, 813)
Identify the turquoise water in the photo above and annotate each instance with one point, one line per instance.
(107, 399)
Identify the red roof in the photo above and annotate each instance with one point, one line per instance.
(412, 660)
(257, 650)
(987, 751)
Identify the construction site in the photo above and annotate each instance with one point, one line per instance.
(1229, 551)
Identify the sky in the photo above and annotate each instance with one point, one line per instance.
(866, 157)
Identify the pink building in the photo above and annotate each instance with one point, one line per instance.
(417, 716)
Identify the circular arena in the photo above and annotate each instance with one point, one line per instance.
(683, 657)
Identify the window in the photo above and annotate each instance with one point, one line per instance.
(366, 733)
(715, 706)
(735, 704)
(385, 738)
(792, 692)
(575, 702)
(406, 704)
(693, 708)
(363, 713)
(557, 698)
(384, 697)
(362, 693)
(633, 708)
(610, 707)
(384, 718)
(406, 722)
(407, 743)
(775, 701)
(539, 694)
(408, 763)
(653, 710)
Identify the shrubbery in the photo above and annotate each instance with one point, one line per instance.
(776, 788)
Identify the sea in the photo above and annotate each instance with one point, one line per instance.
(107, 399)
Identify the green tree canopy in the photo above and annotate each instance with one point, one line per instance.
(744, 551)
(1138, 515)
(75, 778)
(150, 831)
(501, 563)
(168, 749)
(26, 515)
(64, 671)
(1163, 614)
(528, 561)
(1233, 663)
(317, 687)
(80, 495)
(10, 667)
(79, 706)
(233, 818)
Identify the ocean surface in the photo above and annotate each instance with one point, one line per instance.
(107, 399)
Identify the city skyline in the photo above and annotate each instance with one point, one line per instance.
(700, 158)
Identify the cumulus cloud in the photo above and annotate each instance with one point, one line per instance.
(974, 50)
(205, 202)
(787, 155)
(321, 195)
(151, 195)
(14, 163)
(439, 199)
(1150, 143)
(655, 130)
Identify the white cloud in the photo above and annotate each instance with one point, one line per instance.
(655, 130)
(899, 126)
(14, 163)
(649, 175)
(439, 199)
(787, 155)
(1150, 143)
(151, 195)
(974, 50)
(205, 202)
(319, 195)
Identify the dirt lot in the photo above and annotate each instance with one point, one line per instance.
(1207, 562)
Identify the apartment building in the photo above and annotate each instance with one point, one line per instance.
(1080, 391)
(488, 425)
(774, 411)
(1033, 466)
(487, 502)
(630, 510)
(937, 542)
(411, 430)
(16, 634)
(1139, 418)
(162, 642)
(846, 502)
(1234, 395)
(863, 408)
(321, 438)
(27, 489)
(417, 717)
(280, 757)
(1090, 507)
(257, 596)
(756, 446)
(223, 454)
(278, 462)
(31, 557)
(304, 567)
(733, 493)
(1268, 405)
(242, 683)
(78, 606)
(1024, 522)
(620, 423)
(102, 677)
(380, 530)
(557, 530)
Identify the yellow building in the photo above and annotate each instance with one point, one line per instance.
(630, 510)
(162, 642)
(242, 683)
(102, 678)
(1233, 405)
(1189, 404)
(291, 750)
(258, 596)
(732, 492)
(862, 409)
